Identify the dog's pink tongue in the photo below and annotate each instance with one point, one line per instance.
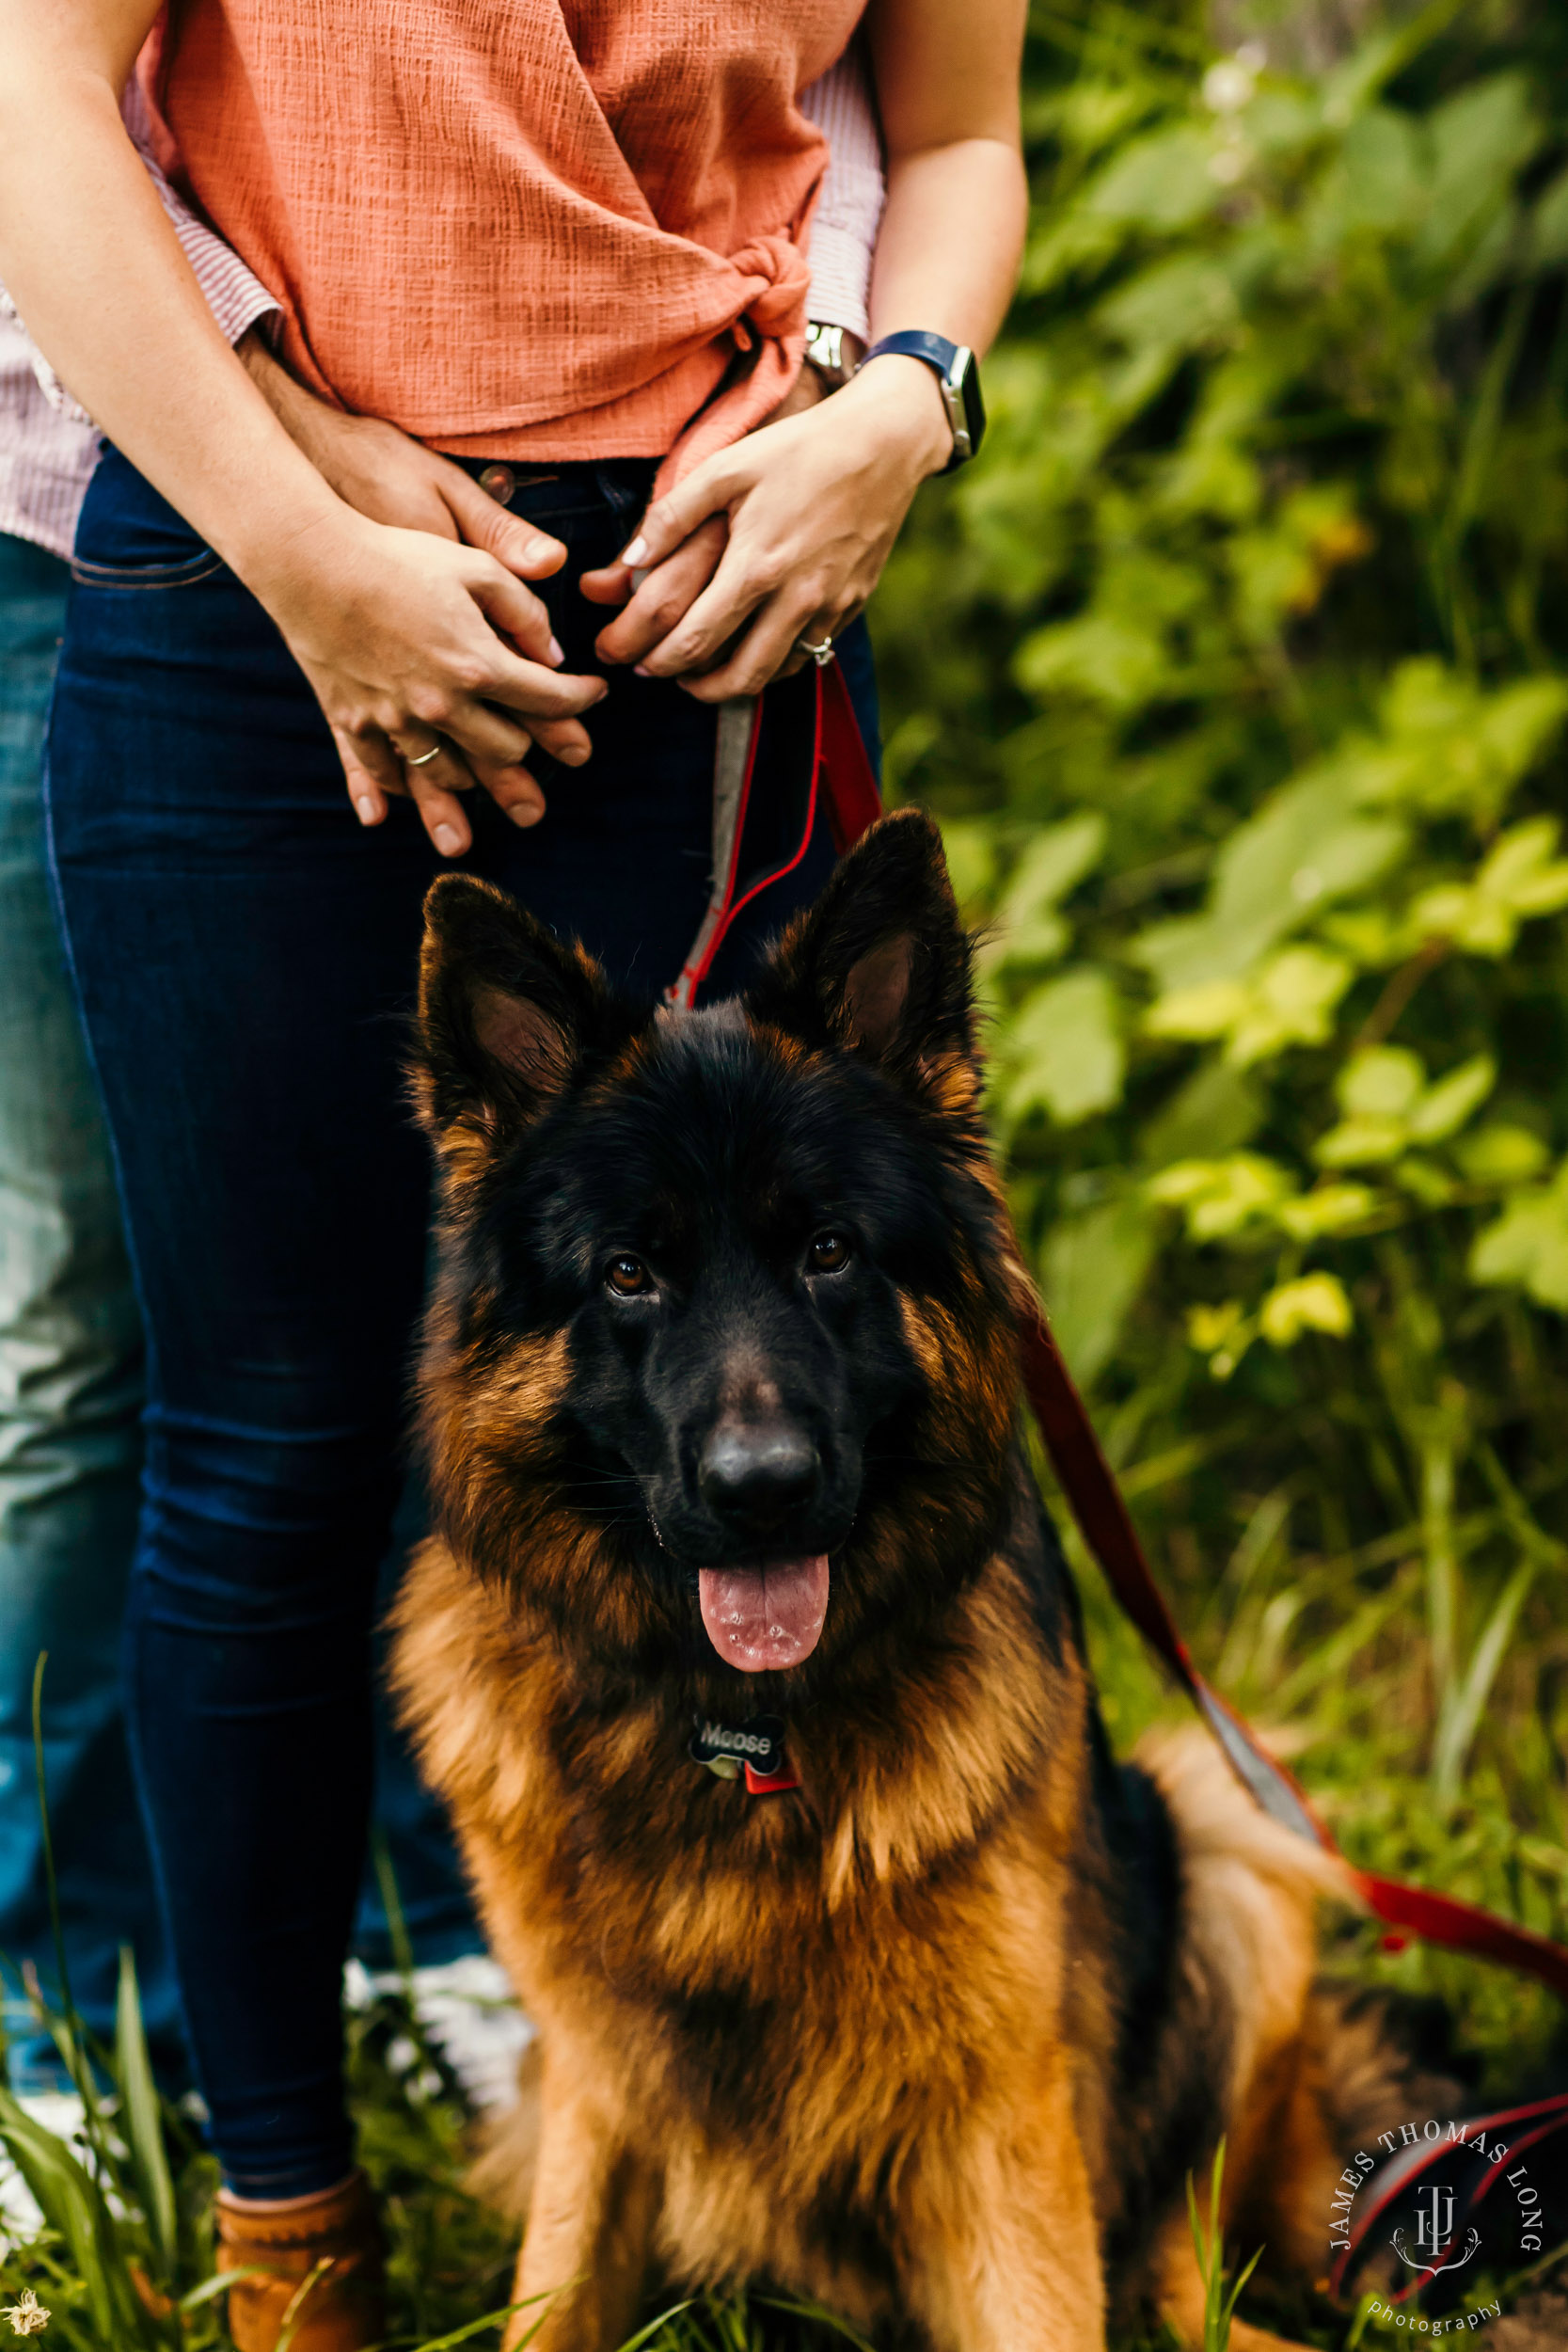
(762, 1618)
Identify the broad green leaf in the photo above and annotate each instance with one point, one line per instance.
(1220, 1196)
(970, 848)
(1216, 1111)
(1378, 182)
(1445, 1107)
(1093, 1267)
(1327, 1209)
(1361, 1142)
(1179, 302)
(1520, 878)
(1446, 745)
(1480, 139)
(1528, 1247)
(1065, 1052)
(1209, 1009)
(1502, 1154)
(1159, 182)
(1105, 659)
(1055, 863)
(1292, 1002)
(1308, 844)
(1209, 1328)
(1424, 1180)
(1315, 1303)
(1381, 1081)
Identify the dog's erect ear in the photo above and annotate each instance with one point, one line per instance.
(505, 1011)
(880, 964)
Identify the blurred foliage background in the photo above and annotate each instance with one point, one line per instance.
(1238, 673)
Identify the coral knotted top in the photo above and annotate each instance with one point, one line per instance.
(540, 229)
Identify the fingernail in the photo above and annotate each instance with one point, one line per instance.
(526, 813)
(637, 553)
(642, 671)
(573, 755)
(448, 840)
(535, 550)
(366, 809)
(558, 651)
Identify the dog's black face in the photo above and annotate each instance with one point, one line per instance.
(740, 1267)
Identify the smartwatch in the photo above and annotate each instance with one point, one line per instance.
(958, 372)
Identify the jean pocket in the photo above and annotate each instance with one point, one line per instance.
(128, 537)
(201, 566)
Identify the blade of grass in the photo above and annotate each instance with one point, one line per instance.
(142, 2121)
(1460, 1719)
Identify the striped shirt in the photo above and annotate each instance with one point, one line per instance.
(49, 446)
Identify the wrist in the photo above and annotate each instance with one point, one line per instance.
(909, 402)
(310, 538)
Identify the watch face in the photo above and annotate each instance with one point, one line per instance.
(974, 407)
(966, 410)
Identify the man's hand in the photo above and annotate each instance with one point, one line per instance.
(391, 478)
(410, 642)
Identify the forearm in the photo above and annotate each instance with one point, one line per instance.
(948, 252)
(99, 276)
(948, 85)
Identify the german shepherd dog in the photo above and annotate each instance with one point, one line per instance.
(927, 2012)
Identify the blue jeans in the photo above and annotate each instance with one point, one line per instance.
(70, 1398)
(70, 1384)
(244, 957)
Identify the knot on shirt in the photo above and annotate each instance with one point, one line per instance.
(783, 278)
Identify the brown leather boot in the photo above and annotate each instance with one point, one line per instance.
(342, 2308)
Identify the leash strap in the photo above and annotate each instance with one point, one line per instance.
(1100, 1510)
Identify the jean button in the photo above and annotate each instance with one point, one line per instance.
(500, 482)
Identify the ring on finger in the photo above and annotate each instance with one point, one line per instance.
(425, 757)
(821, 652)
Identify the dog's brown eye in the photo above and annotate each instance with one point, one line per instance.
(628, 1275)
(830, 1253)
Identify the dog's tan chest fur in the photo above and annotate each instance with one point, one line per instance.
(841, 2009)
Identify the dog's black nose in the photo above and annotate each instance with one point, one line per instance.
(754, 1474)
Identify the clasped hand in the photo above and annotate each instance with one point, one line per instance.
(433, 659)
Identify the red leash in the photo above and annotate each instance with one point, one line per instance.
(1101, 1513)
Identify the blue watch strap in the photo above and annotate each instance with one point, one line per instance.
(954, 367)
(917, 342)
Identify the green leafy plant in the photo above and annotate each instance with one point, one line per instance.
(1238, 671)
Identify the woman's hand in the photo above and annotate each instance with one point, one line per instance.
(389, 478)
(409, 641)
(791, 528)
